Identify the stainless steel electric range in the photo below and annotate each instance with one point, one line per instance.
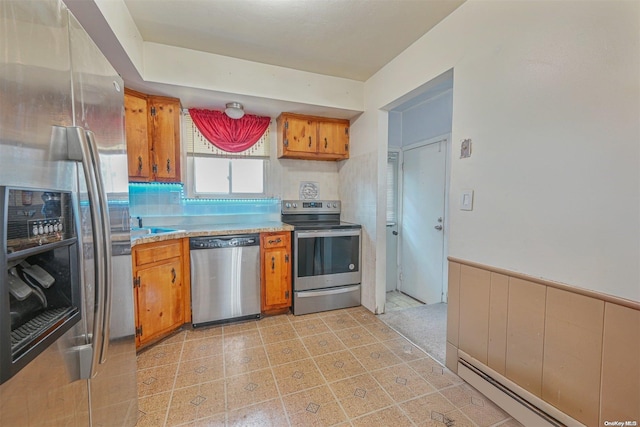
(326, 256)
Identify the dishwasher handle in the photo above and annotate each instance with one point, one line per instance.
(220, 242)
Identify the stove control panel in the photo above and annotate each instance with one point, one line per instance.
(310, 206)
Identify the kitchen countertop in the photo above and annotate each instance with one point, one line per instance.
(212, 230)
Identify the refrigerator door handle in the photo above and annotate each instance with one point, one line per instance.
(78, 150)
(106, 235)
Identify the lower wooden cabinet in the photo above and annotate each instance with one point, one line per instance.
(275, 256)
(161, 289)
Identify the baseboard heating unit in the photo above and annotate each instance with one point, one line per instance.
(525, 407)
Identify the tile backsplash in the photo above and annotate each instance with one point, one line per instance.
(167, 201)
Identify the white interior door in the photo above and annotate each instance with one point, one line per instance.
(422, 226)
(392, 221)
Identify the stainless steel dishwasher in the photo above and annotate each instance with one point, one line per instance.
(225, 278)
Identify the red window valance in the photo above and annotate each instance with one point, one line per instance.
(231, 135)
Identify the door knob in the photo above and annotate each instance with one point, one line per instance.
(395, 233)
(438, 227)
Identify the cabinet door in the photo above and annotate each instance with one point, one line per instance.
(165, 116)
(277, 278)
(137, 132)
(160, 299)
(300, 135)
(333, 138)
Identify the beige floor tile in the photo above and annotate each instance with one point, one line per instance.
(265, 414)
(391, 416)
(483, 412)
(242, 340)
(363, 316)
(156, 380)
(297, 376)
(234, 328)
(402, 383)
(355, 337)
(246, 360)
(405, 350)
(270, 321)
(277, 333)
(204, 332)
(382, 331)
(155, 403)
(375, 356)
(339, 365)
(159, 355)
(423, 408)
(176, 338)
(308, 327)
(197, 371)
(323, 344)
(341, 320)
(342, 368)
(453, 418)
(286, 351)
(437, 375)
(250, 388)
(300, 401)
(153, 419)
(360, 395)
(205, 347)
(510, 423)
(195, 402)
(327, 414)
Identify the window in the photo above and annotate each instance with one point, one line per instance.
(216, 173)
(392, 187)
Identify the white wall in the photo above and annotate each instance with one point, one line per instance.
(427, 120)
(549, 94)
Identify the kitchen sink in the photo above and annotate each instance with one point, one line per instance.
(145, 231)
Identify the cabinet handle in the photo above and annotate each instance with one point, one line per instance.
(325, 143)
(173, 275)
(278, 240)
(168, 165)
(139, 164)
(309, 142)
(273, 263)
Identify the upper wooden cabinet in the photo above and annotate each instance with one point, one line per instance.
(312, 138)
(153, 137)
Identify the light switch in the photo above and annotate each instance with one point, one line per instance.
(466, 200)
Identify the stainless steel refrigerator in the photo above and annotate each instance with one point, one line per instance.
(67, 351)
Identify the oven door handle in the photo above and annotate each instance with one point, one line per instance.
(327, 233)
(333, 291)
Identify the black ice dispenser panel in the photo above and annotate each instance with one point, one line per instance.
(39, 288)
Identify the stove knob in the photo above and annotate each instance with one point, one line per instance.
(295, 205)
(335, 205)
(288, 205)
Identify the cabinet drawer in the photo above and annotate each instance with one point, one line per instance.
(155, 252)
(275, 240)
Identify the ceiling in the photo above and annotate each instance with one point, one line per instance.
(352, 39)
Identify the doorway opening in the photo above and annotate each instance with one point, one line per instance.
(417, 210)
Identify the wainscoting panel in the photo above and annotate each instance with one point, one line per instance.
(525, 334)
(573, 349)
(620, 392)
(475, 288)
(499, 301)
(572, 353)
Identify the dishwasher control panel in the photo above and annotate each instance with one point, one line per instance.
(211, 242)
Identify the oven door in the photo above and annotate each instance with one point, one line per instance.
(326, 258)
